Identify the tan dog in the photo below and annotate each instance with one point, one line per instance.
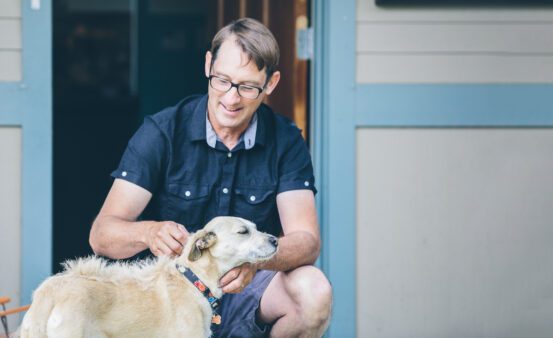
(153, 299)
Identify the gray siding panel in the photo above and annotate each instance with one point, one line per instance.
(439, 45)
(453, 68)
(454, 233)
(10, 65)
(424, 37)
(10, 34)
(10, 8)
(10, 40)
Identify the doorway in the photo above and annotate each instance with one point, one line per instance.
(116, 61)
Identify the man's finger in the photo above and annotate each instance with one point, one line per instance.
(182, 229)
(229, 277)
(175, 231)
(174, 245)
(235, 286)
(165, 249)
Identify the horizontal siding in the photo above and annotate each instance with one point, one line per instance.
(452, 45)
(456, 38)
(453, 68)
(10, 40)
(10, 66)
(10, 34)
(10, 8)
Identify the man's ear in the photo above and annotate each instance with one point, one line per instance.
(273, 81)
(208, 57)
(203, 242)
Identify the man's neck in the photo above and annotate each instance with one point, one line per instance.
(228, 136)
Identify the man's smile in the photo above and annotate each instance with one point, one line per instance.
(231, 110)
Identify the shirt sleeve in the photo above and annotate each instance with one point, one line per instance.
(144, 160)
(295, 168)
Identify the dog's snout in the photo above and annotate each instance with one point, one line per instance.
(273, 240)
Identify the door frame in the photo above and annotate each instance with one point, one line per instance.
(333, 148)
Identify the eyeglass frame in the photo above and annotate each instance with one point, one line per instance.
(237, 86)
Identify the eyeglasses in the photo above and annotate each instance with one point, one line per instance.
(245, 91)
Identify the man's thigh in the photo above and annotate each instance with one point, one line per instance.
(238, 311)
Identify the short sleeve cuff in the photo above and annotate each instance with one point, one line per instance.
(132, 177)
(306, 184)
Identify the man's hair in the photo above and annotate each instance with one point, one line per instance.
(256, 41)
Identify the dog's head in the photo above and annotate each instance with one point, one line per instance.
(231, 241)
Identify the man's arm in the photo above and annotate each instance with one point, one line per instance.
(299, 246)
(116, 234)
(301, 242)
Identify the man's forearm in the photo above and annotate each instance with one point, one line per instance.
(116, 238)
(294, 250)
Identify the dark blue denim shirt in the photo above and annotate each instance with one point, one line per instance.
(192, 183)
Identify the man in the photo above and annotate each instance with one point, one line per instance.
(227, 154)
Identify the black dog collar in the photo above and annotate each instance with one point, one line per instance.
(206, 292)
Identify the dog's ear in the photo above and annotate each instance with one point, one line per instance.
(202, 242)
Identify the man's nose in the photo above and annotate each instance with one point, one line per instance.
(232, 95)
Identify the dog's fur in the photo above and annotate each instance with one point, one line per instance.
(150, 299)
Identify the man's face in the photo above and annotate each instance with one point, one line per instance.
(229, 112)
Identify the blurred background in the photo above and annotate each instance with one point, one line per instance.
(115, 62)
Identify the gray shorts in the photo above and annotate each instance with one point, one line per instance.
(238, 311)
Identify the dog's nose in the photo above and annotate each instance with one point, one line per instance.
(273, 240)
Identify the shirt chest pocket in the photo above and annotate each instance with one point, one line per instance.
(255, 204)
(188, 204)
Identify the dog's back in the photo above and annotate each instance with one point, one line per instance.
(35, 321)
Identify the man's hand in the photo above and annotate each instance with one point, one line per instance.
(238, 278)
(167, 238)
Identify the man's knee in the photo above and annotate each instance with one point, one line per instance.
(312, 294)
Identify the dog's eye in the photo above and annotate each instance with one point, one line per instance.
(244, 231)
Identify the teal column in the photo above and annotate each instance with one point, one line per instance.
(334, 153)
(35, 111)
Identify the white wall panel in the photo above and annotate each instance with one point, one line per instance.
(10, 65)
(453, 68)
(10, 34)
(10, 217)
(455, 38)
(454, 233)
(10, 8)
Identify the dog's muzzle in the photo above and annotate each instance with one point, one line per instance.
(274, 241)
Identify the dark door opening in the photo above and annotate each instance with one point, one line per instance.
(117, 61)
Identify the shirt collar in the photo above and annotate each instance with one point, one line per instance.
(199, 124)
(248, 136)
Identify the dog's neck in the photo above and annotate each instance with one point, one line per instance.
(207, 271)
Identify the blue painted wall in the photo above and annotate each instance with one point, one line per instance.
(28, 104)
(334, 152)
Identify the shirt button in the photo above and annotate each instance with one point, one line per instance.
(124, 174)
(252, 198)
(229, 155)
(187, 193)
(306, 183)
(225, 191)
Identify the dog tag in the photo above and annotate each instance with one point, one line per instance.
(216, 319)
